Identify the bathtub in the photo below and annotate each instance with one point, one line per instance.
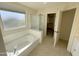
(22, 44)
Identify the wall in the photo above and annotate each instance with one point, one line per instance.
(66, 23)
(2, 46)
(35, 21)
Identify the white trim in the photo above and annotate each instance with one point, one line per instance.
(15, 28)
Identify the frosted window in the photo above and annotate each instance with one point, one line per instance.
(12, 19)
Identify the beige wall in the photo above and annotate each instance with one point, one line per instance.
(66, 23)
(2, 46)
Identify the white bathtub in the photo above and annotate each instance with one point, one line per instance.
(21, 44)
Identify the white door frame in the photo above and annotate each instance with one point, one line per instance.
(57, 27)
(56, 17)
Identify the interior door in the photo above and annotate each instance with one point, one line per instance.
(57, 27)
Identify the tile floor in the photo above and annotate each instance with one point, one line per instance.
(46, 48)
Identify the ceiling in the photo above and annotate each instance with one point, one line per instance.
(44, 5)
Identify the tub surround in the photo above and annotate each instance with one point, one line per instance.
(18, 42)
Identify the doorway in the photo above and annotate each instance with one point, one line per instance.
(50, 23)
(66, 25)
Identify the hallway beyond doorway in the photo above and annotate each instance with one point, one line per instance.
(50, 23)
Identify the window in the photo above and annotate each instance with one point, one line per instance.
(12, 20)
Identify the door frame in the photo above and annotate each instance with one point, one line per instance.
(56, 27)
(57, 18)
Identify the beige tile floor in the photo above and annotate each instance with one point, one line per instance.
(46, 48)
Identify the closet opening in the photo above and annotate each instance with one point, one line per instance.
(50, 24)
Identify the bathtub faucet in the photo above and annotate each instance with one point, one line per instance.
(15, 49)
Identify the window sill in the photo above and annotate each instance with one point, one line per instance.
(15, 28)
